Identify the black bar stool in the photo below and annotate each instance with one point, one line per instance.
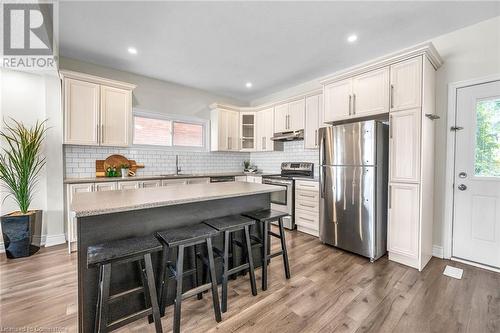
(182, 238)
(136, 249)
(229, 225)
(266, 216)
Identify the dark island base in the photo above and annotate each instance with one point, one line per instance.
(102, 228)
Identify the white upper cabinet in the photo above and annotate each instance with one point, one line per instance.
(233, 121)
(281, 118)
(289, 116)
(370, 93)
(338, 100)
(97, 111)
(116, 106)
(406, 84)
(265, 130)
(404, 146)
(360, 96)
(81, 112)
(296, 115)
(248, 130)
(312, 120)
(224, 130)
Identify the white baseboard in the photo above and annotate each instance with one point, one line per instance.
(45, 240)
(51, 240)
(437, 251)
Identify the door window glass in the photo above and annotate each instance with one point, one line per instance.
(487, 154)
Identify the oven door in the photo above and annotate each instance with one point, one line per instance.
(283, 200)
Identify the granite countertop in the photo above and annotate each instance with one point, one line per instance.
(139, 178)
(99, 203)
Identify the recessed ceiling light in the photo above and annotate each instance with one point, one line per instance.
(352, 38)
(132, 50)
(248, 84)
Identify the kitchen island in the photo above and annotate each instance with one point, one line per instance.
(107, 216)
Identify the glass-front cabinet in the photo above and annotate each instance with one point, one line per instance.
(248, 131)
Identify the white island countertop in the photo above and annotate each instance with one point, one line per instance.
(99, 203)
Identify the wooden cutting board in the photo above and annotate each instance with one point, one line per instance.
(115, 160)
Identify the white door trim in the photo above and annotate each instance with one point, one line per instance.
(450, 157)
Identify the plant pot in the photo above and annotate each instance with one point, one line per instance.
(22, 234)
(124, 173)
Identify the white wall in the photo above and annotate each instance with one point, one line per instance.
(468, 53)
(29, 97)
(156, 95)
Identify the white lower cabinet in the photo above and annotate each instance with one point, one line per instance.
(128, 185)
(71, 220)
(150, 183)
(240, 178)
(403, 226)
(205, 180)
(170, 182)
(254, 179)
(307, 207)
(107, 186)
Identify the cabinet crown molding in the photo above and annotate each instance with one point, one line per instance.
(267, 105)
(96, 79)
(426, 49)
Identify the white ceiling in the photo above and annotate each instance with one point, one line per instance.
(219, 46)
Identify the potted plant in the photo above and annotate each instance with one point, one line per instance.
(20, 166)
(124, 170)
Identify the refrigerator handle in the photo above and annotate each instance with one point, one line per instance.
(322, 181)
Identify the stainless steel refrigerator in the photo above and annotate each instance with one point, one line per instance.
(353, 187)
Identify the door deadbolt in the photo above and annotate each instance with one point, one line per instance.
(462, 187)
(462, 175)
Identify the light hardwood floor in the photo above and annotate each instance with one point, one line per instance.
(330, 291)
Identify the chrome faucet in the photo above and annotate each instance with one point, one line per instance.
(177, 168)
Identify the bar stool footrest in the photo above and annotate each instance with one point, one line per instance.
(117, 296)
(130, 318)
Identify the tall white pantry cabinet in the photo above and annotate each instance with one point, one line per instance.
(401, 85)
(411, 161)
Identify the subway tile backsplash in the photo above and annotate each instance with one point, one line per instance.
(270, 162)
(80, 160)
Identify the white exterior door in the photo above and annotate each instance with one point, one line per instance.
(476, 225)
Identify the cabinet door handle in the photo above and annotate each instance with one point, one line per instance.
(353, 103)
(390, 196)
(305, 218)
(390, 127)
(102, 133)
(392, 96)
(229, 143)
(98, 134)
(263, 143)
(307, 196)
(350, 98)
(310, 206)
(315, 138)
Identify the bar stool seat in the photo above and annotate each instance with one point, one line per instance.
(137, 249)
(121, 249)
(186, 238)
(228, 225)
(184, 235)
(266, 216)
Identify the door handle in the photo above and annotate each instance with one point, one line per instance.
(392, 96)
(354, 104)
(390, 197)
(350, 98)
(462, 187)
(390, 127)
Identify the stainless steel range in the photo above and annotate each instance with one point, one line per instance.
(284, 201)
